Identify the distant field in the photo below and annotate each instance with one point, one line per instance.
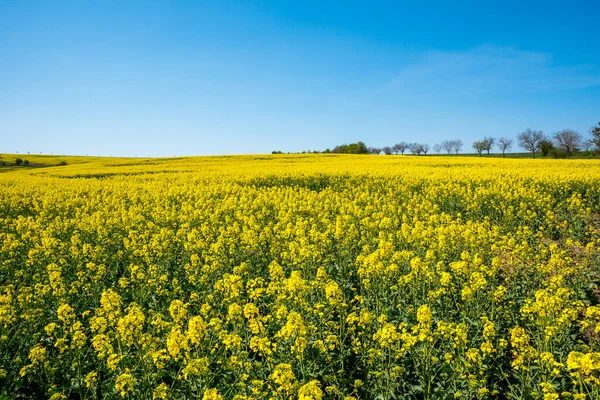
(577, 156)
(44, 160)
(300, 276)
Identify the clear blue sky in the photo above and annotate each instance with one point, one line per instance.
(164, 78)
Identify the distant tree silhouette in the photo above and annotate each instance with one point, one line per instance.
(504, 144)
(479, 146)
(457, 145)
(419, 148)
(568, 140)
(400, 147)
(352, 148)
(488, 143)
(448, 146)
(530, 140)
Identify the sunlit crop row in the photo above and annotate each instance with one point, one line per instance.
(309, 277)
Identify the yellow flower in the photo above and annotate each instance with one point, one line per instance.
(195, 367)
(161, 392)
(424, 316)
(78, 338)
(176, 343)
(65, 313)
(129, 327)
(160, 358)
(499, 293)
(91, 379)
(178, 311)
(318, 344)
(7, 311)
(284, 377)
(212, 394)
(98, 324)
(196, 329)
(113, 361)
(263, 346)
(234, 312)
(523, 352)
(37, 354)
(293, 327)
(365, 317)
(204, 271)
(387, 335)
(231, 340)
(518, 337)
(487, 347)
(251, 311)
(51, 328)
(125, 383)
(489, 329)
(473, 357)
(110, 302)
(102, 345)
(310, 391)
(583, 364)
(445, 279)
(548, 391)
(477, 281)
(333, 292)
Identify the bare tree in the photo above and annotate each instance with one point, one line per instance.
(457, 145)
(530, 140)
(488, 143)
(387, 150)
(448, 145)
(437, 148)
(403, 147)
(479, 146)
(568, 140)
(400, 147)
(504, 144)
(425, 148)
(416, 148)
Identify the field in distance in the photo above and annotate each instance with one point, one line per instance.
(300, 276)
(8, 161)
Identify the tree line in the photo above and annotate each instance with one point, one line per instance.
(20, 162)
(561, 144)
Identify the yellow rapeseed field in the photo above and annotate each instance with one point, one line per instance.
(301, 277)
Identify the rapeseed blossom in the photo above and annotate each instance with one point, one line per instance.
(310, 277)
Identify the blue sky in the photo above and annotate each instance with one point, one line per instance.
(169, 78)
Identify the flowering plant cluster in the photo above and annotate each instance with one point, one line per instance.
(309, 277)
